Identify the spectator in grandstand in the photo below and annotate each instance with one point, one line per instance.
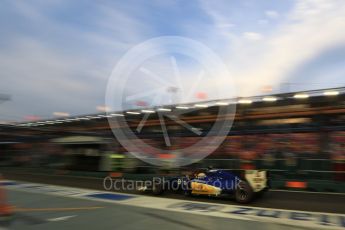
(248, 155)
(290, 160)
(338, 159)
(268, 159)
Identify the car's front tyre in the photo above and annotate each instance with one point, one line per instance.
(244, 193)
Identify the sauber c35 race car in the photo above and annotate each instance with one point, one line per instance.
(243, 186)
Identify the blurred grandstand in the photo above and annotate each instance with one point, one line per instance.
(299, 137)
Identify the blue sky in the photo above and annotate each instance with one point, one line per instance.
(58, 55)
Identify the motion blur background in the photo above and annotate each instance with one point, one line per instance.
(296, 139)
(287, 58)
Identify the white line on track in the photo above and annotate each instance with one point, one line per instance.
(62, 218)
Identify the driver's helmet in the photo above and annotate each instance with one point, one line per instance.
(201, 175)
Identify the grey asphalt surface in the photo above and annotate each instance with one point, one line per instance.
(110, 216)
(331, 203)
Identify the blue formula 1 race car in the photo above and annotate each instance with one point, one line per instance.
(243, 186)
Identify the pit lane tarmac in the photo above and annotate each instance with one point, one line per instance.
(41, 206)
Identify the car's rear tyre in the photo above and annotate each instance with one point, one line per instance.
(244, 193)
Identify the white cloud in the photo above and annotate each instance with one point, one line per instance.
(263, 22)
(226, 25)
(63, 67)
(42, 80)
(70, 73)
(252, 36)
(311, 27)
(271, 14)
